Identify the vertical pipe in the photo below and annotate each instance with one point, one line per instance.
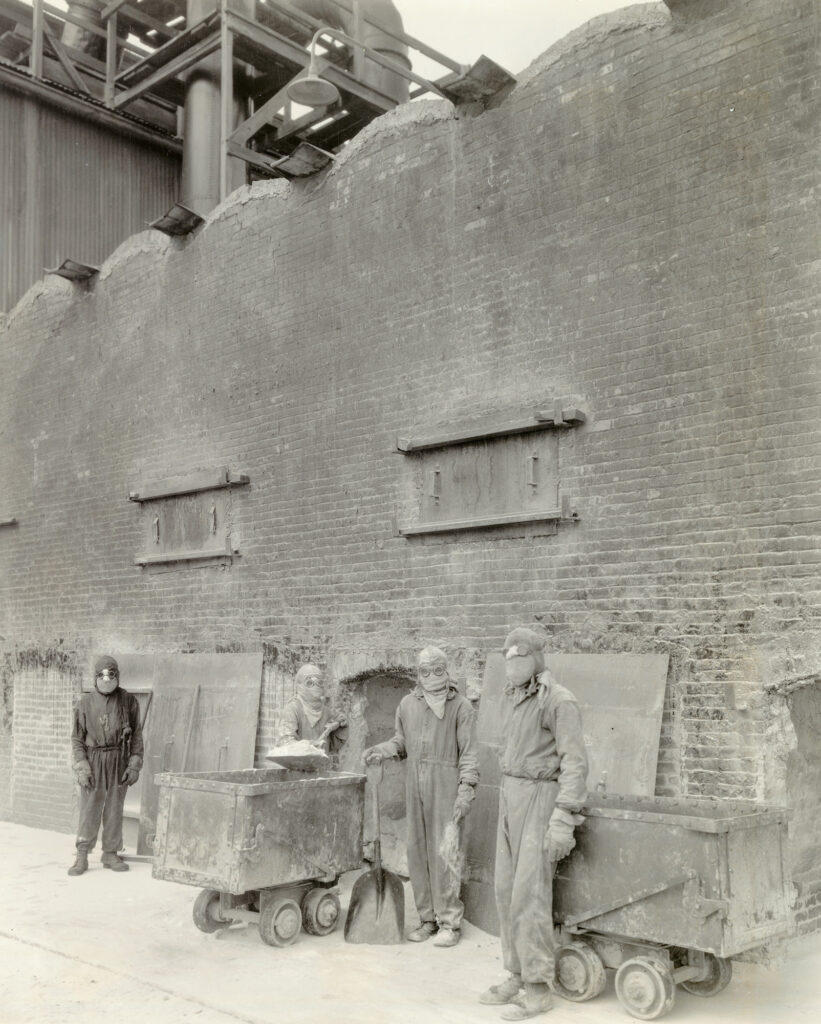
(226, 100)
(110, 59)
(36, 61)
(207, 174)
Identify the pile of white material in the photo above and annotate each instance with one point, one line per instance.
(298, 754)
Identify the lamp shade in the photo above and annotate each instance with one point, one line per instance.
(312, 91)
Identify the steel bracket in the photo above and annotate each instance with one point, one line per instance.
(696, 903)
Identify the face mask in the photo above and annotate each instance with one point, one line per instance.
(433, 678)
(312, 695)
(519, 669)
(107, 684)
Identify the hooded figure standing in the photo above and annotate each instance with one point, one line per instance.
(435, 732)
(307, 716)
(544, 774)
(107, 755)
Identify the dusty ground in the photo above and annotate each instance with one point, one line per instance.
(122, 948)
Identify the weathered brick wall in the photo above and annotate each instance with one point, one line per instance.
(632, 231)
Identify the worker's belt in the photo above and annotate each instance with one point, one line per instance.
(110, 746)
(529, 778)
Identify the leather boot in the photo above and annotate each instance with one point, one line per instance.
(111, 860)
(534, 1000)
(80, 864)
(505, 992)
(424, 931)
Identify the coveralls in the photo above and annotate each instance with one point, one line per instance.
(441, 753)
(295, 725)
(543, 764)
(97, 736)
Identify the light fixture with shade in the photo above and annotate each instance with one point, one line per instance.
(311, 90)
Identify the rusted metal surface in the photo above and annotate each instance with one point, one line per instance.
(621, 697)
(701, 874)
(214, 698)
(247, 830)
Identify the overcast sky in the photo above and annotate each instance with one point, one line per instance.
(510, 32)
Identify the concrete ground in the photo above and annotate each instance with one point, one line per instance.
(122, 949)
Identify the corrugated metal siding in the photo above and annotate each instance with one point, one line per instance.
(70, 189)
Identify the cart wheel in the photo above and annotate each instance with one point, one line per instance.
(280, 921)
(721, 971)
(320, 911)
(645, 987)
(206, 912)
(579, 972)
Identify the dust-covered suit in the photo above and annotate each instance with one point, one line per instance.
(441, 754)
(544, 765)
(98, 739)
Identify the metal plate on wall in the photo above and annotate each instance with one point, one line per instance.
(203, 718)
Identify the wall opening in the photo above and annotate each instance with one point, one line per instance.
(373, 702)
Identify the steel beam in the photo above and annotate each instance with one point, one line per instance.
(175, 67)
(66, 61)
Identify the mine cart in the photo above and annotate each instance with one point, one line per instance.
(666, 891)
(265, 845)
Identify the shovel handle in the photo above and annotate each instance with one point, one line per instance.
(378, 772)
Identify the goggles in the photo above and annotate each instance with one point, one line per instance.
(314, 681)
(432, 670)
(518, 651)
(108, 673)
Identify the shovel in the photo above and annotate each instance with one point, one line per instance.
(376, 913)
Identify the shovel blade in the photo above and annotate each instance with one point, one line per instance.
(376, 913)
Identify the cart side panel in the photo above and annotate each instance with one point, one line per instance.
(195, 837)
(627, 878)
(758, 886)
(309, 828)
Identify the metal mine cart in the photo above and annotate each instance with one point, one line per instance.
(666, 891)
(266, 845)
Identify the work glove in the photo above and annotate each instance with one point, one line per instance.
(559, 839)
(132, 772)
(373, 755)
(465, 796)
(82, 773)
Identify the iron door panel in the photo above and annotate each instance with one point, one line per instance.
(204, 716)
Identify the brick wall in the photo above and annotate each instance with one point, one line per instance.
(632, 231)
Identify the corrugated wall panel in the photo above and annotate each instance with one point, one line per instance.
(70, 189)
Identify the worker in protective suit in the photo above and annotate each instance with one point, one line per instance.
(107, 755)
(544, 774)
(307, 715)
(435, 732)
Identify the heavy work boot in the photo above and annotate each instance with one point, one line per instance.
(80, 865)
(111, 860)
(423, 932)
(534, 1000)
(505, 992)
(446, 937)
